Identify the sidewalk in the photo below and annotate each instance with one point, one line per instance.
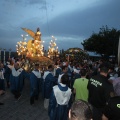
(22, 110)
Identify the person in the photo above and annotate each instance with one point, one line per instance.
(76, 72)
(95, 67)
(112, 74)
(48, 82)
(64, 71)
(60, 100)
(76, 75)
(80, 110)
(2, 80)
(80, 86)
(35, 78)
(58, 69)
(8, 68)
(70, 70)
(112, 108)
(100, 90)
(2, 84)
(16, 80)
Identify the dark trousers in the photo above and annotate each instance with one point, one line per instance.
(2, 84)
(8, 85)
(7, 80)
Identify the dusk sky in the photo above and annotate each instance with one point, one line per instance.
(69, 21)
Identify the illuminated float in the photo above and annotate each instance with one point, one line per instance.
(53, 49)
(33, 50)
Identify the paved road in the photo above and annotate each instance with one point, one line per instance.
(22, 110)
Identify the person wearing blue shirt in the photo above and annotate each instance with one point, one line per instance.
(16, 80)
(35, 78)
(60, 100)
(49, 81)
(70, 70)
(8, 68)
(58, 70)
(2, 80)
(64, 71)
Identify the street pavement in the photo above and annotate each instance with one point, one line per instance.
(21, 109)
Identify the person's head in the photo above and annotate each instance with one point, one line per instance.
(76, 65)
(83, 72)
(81, 65)
(1, 65)
(50, 67)
(36, 66)
(60, 64)
(71, 64)
(65, 79)
(16, 65)
(111, 69)
(80, 110)
(104, 70)
(64, 69)
(101, 61)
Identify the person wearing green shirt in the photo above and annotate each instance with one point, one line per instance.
(80, 86)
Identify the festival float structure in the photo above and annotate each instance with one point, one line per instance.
(21, 46)
(53, 49)
(33, 50)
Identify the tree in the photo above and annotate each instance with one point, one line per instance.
(104, 43)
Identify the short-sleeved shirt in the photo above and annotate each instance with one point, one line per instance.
(80, 85)
(112, 109)
(99, 90)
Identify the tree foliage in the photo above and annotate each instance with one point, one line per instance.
(104, 43)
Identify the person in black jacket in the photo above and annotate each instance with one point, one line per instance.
(100, 90)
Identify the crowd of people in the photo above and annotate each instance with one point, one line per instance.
(71, 90)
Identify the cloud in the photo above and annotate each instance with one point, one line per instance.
(83, 23)
(69, 27)
(26, 1)
(36, 2)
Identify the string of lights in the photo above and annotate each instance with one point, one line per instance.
(53, 48)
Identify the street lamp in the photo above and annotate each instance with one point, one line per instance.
(10, 52)
(4, 55)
